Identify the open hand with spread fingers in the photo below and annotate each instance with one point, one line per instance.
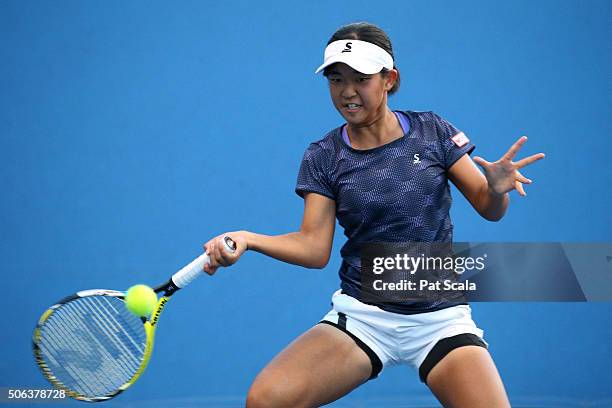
(503, 175)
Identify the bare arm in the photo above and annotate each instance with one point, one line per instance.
(309, 247)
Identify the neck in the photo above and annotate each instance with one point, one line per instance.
(382, 130)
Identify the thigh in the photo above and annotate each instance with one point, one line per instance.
(467, 378)
(318, 367)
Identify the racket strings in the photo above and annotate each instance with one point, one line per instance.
(92, 345)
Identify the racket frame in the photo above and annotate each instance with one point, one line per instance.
(186, 275)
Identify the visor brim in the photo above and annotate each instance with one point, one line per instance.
(361, 66)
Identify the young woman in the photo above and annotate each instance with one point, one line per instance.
(384, 175)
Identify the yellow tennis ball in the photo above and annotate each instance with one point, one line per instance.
(140, 300)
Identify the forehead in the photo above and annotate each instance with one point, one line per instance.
(340, 68)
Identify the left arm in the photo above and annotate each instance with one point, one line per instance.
(488, 192)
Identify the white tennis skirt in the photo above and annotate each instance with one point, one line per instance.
(398, 338)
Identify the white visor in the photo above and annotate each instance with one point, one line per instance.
(362, 56)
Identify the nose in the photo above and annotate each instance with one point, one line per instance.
(348, 91)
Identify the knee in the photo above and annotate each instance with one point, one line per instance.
(262, 397)
(276, 394)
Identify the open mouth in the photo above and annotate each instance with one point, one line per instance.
(352, 107)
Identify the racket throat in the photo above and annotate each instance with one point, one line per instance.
(167, 288)
(158, 309)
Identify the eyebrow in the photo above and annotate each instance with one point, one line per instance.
(353, 71)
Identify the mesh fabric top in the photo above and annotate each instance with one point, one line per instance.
(397, 192)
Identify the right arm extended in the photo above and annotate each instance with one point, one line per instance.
(309, 247)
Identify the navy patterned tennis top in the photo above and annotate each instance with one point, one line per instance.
(397, 192)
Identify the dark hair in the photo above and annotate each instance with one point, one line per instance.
(371, 33)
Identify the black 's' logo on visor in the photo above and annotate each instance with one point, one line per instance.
(347, 47)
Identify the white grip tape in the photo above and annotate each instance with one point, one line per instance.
(189, 272)
(186, 275)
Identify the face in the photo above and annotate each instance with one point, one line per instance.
(360, 98)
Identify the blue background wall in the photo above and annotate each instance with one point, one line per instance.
(132, 132)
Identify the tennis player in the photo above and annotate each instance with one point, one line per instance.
(384, 174)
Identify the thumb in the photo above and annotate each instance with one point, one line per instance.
(480, 161)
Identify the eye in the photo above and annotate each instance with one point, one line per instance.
(363, 79)
(333, 79)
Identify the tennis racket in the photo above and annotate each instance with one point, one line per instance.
(89, 345)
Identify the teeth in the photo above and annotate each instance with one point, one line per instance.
(352, 105)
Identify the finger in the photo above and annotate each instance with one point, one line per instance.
(519, 187)
(206, 250)
(528, 160)
(210, 269)
(211, 254)
(224, 255)
(522, 178)
(515, 148)
(221, 256)
(216, 254)
(480, 161)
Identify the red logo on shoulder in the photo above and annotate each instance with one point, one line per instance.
(460, 139)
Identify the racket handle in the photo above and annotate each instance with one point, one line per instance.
(196, 267)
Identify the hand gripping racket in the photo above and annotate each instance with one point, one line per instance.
(89, 345)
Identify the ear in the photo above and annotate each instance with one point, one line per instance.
(390, 79)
